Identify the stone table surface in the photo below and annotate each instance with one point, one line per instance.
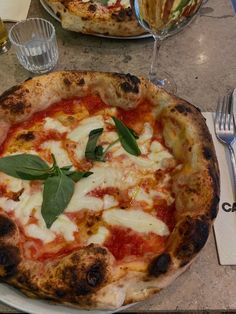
(201, 59)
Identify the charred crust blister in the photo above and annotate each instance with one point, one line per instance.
(183, 108)
(214, 207)
(95, 274)
(81, 82)
(207, 152)
(130, 84)
(7, 226)
(67, 82)
(159, 265)
(92, 8)
(194, 234)
(9, 260)
(29, 136)
(9, 92)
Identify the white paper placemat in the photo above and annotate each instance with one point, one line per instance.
(14, 10)
(225, 224)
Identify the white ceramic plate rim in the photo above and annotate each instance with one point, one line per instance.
(50, 11)
(14, 298)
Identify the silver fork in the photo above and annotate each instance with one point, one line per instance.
(225, 130)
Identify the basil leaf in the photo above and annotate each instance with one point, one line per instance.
(12, 165)
(135, 135)
(27, 174)
(92, 152)
(57, 193)
(66, 167)
(126, 138)
(76, 175)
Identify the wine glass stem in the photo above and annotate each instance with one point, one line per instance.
(153, 69)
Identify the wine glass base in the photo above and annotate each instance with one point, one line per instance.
(166, 82)
(5, 47)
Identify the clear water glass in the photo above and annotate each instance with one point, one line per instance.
(34, 41)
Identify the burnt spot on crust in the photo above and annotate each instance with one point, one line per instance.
(84, 272)
(66, 81)
(214, 207)
(19, 107)
(81, 82)
(159, 265)
(207, 152)
(58, 14)
(214, 174)
(9, 260)
(194, 233)
(183, 108)
(29, 136)
(95, 274)
(9, 92)
(122, 15)
(83, 283)
(130, 84)
(92, 8)
(28, 79)
(7, 226)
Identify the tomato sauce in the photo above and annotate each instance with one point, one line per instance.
(166, 214)
(124, 242)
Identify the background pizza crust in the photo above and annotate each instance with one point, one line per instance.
(86, 277)
(94, 18)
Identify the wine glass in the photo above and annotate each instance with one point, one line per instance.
(163, 18)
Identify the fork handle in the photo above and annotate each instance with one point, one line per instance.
(233, 163)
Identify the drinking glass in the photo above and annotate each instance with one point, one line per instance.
(163, 18)
(35, 44)
(4, 41)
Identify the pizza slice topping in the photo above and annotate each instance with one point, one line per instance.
(78, 200)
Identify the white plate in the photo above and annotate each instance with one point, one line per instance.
(16, 299)
(51, 12)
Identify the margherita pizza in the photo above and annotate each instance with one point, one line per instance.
(108, 188)
(110, 18)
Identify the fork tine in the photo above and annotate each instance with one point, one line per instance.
(231, 120)
(223, 114)
(218, 114)
(227, 112)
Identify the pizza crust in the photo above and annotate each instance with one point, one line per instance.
(86, 277)
(94, 18)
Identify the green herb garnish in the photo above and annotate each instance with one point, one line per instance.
(127, 137)
(58, 185)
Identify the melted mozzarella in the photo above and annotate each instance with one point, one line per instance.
(27, 203)
(101, 178)
(125, 3)
(55, 125)
(138, 194)
(13, 184)
(99, 237)
(136, 220)
(38, 232)
(111, 2)
(109, 201)
(158, 152)
(80, 134)
(85, 127)
(63, 225)
(55, 148)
